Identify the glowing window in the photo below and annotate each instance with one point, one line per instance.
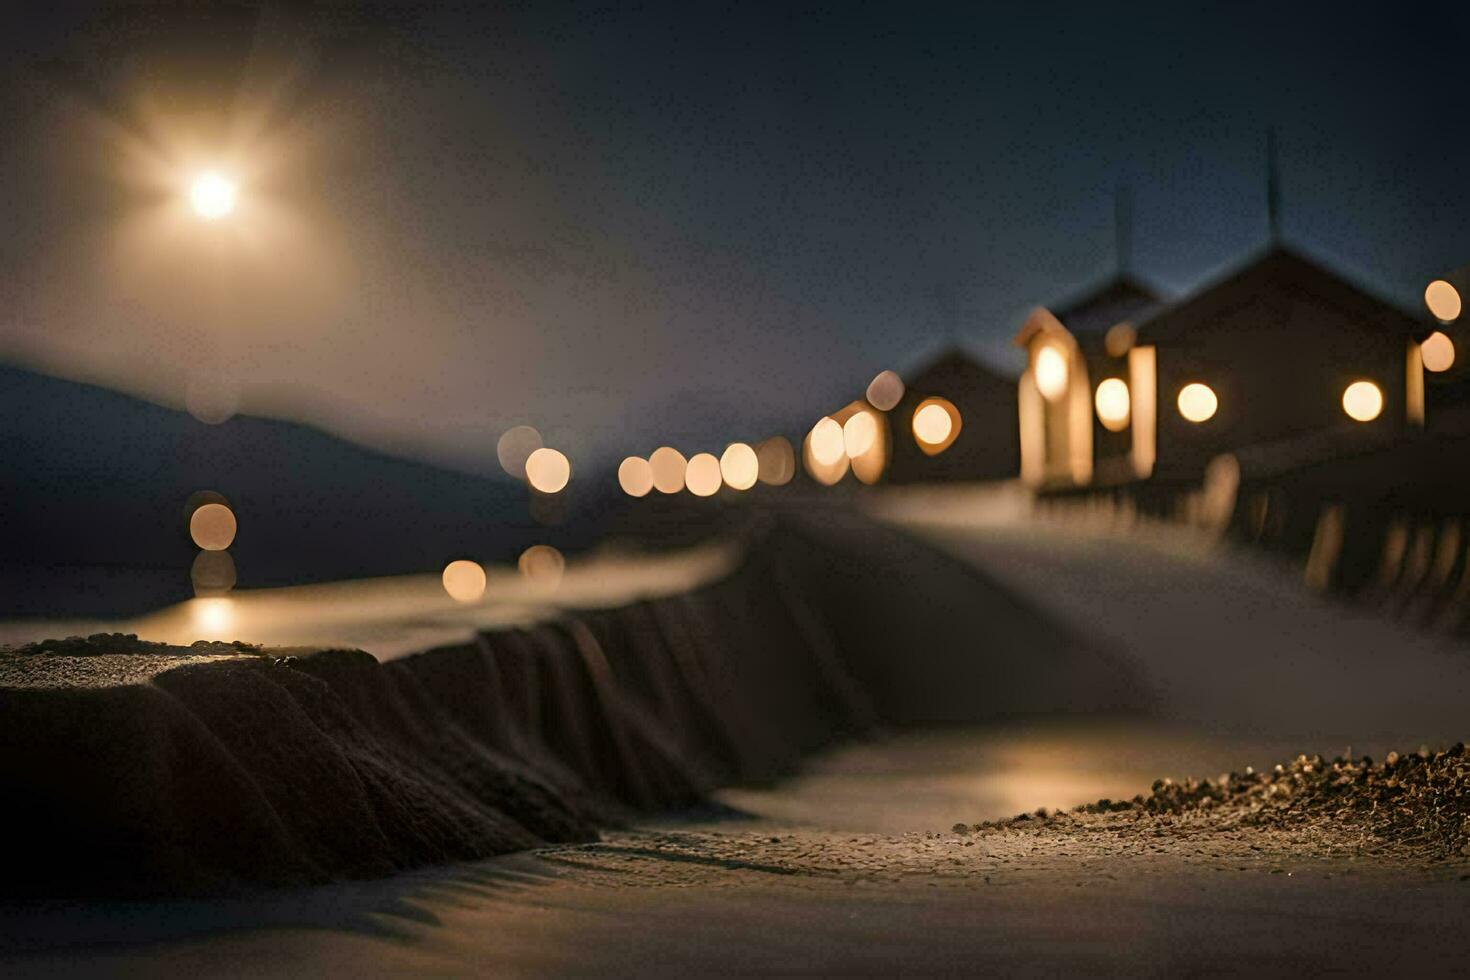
(1051, 372)
(1363, 401)
(1112, 404)
(1197, 402)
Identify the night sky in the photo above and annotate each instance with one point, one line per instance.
(684, 223)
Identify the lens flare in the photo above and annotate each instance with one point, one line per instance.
(464, 580)
(1197, 402)
(739, 466)
(668, 467)
(703, 475)
(1437, 352)
(1112, 404)
(1362, 401)
(212, 526)
(548, 470)
(212, 195)
(635, 476)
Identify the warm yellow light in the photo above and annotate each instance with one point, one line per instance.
(212, 526)
(213, 618)
(1363, 401)
(1197, 402)
(515, 446)
(464, 580)
(1051, 372)
(885, 391)
(739, 466)
(542, 565)
(859, 434)
(212, 195)
(932, 424)
(777, 461)
(635, 476)
(548, 470)
(703, 475)
(668, 468)
(827, 443)
(1112, 404)
(1443, 300)
(1437, 352)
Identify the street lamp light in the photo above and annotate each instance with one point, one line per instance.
(212, 195)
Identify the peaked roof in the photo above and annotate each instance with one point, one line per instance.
(1120, 298)
(956, 363)
(1276, 269)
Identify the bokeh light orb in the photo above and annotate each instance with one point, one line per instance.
(827, 443)
(213, 573)
(1443, 300)
(668, 467)
(548, 470)
(542, 565)
(635, 476)
(1197, 402)
(515, 446)
(1362, 401)
(859, 434)
(777, 461)
(212, 195)
(464, 580)
(932, 424)
(1120, 339)
(739, 466)
(212, 526)
(1437, 352)
(1113, 404)
(885, 391)
(211, 399)
(703, 476)
(1051, 372)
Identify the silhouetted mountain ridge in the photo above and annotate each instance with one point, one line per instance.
(95, 484)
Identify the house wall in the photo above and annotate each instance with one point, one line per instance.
(1278, 365)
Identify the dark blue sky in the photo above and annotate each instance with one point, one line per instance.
(685, 223)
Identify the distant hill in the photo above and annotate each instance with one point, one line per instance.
(94, 483)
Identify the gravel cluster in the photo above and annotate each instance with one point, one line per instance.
(126, 644)
(1418, 801)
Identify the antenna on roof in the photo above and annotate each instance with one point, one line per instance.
(1123, 229)
(1273, 188)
